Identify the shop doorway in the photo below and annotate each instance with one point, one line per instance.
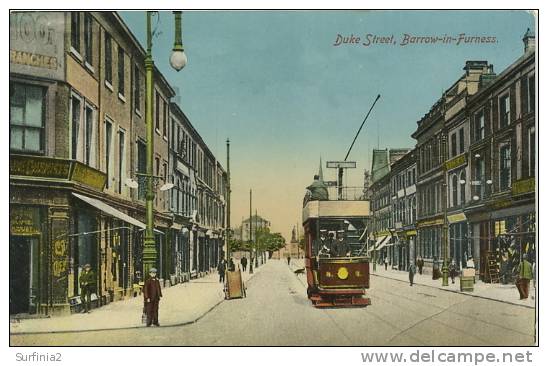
(24, 274)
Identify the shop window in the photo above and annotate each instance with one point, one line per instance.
(453, 145)
(27, 118)
(454, 189)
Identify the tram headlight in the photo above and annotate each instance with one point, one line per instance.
(342, 273)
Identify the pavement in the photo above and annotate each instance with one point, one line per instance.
(490, 291)
(181, 304)
(277, 312)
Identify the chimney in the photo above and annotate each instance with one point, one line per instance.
(528, 41)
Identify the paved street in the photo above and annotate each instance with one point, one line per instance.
(277, 312)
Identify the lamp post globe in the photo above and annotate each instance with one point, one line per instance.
(178, 60)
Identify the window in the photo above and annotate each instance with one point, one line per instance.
(454, 188)
(121, 70)
(504, 106)
(479, 125)
(531, 94)
(505, 167)
(108, 152)
(88, 38)
(531, 151)
(75, 128)
(108, 58)
(157, 111)
(462, 187)
(141, 164)
(165, 119)
(75, 30)
(461, 140)
(479, 172)
(121, 159)
(453, 144)
(26, 117)
(88, 145)
(137, 88)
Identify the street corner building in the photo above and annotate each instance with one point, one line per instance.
(77, 148)
(467, 189)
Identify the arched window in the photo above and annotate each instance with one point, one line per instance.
(462, 187)
(454, 187)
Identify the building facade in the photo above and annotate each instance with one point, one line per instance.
(77, 136)
(502, 159)
(404, 208)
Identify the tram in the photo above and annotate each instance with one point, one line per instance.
(337, 267)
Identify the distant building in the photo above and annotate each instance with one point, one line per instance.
(252, 224)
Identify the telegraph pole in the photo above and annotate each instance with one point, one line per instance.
(228, 229)
(250, 231)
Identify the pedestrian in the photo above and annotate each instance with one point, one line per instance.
(435, 269)
(288, 259)
(453, 270)
(420, 264)
(231, 265)
(221, 269)
(243, 262)
(412, 270)
(470, 263)
(88, 283)
(534, 280)
(525, 273)
(386, 263)
(152, 293)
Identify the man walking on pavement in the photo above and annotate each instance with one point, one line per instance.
(420, 264)
(525, 270)
(243, 262)
(412, 271)
(221, 268)
(288, 259)
(386, 263)
(87, 287)
(152, 293)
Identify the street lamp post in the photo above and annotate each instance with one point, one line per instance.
(178, 60)
(444, 268)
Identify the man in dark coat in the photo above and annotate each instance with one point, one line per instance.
(152, 293)
(243, 262)
(221, 269)
(88, 282)
(420, 264)
(412, 270)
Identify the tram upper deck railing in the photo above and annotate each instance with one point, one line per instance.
(336, 209)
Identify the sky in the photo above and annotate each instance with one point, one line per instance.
(278, 87)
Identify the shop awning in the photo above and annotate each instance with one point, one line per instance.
(382, 241)
(109, 210)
